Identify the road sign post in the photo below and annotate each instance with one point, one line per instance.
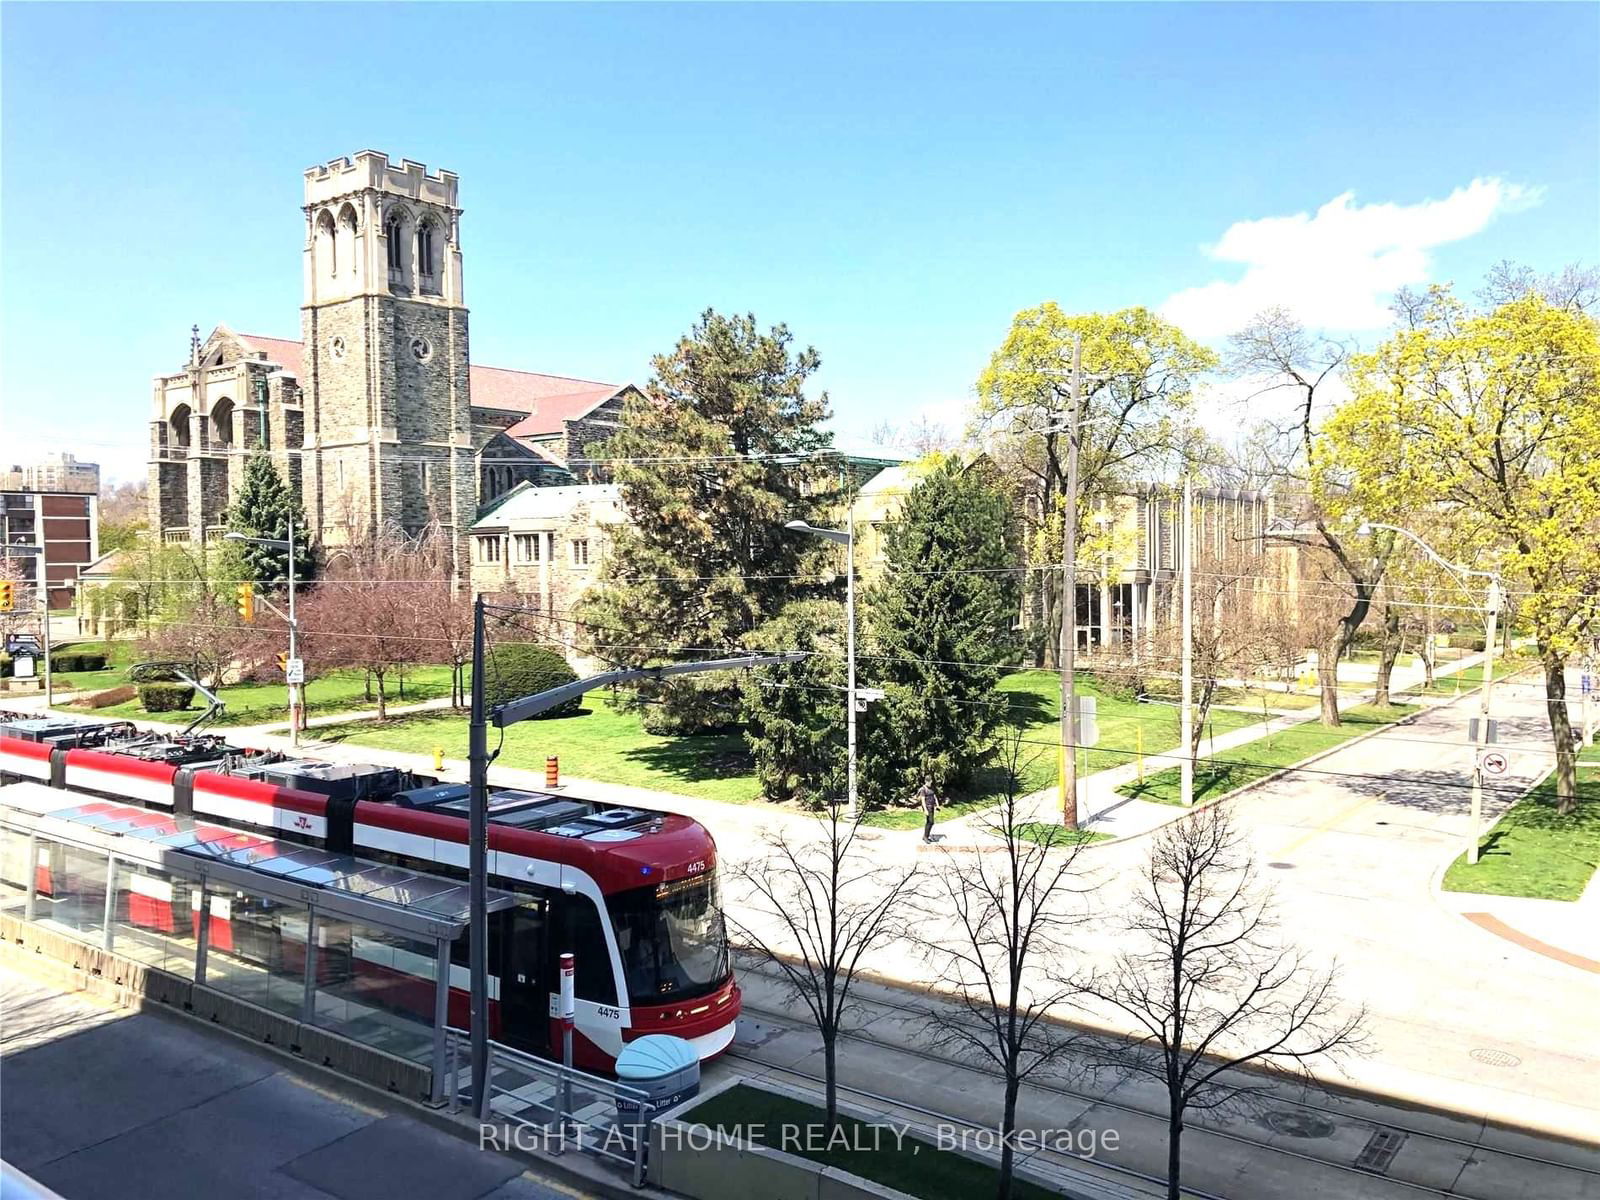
(1493, 763)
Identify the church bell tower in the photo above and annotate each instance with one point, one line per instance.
(388, 425)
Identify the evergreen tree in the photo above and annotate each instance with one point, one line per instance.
(725, 448)
(794, 712)
(262, 509)
(939, 626)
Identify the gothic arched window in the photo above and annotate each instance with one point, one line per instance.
(327, 245)
(222, 422)
(391, 233)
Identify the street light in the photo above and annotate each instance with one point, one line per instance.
(1491, 609)
(847, 537)
(295, 706)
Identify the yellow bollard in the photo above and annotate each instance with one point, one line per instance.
(1138, 748)
(438, 759)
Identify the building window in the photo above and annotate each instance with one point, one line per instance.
(580, 552)
(529, 547)
(489, 549)
(425, 249)
(392, 233)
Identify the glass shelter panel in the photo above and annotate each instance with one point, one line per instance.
(257, 950)
(376, 987)
(155, 919)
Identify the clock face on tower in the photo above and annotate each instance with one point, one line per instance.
(421, 349)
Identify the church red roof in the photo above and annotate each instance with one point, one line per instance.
(548, 400)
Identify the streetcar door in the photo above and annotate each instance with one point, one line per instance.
(524, 988)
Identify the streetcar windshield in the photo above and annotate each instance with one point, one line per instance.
(671, 939)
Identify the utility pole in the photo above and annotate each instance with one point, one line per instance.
(1186, 709)
(1069, 603)
(1491, 606)
(478, 868)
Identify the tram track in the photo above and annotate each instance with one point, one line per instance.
(1472, 1151)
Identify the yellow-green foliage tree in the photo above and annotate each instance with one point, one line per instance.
(1499, 413)
(1139, 376)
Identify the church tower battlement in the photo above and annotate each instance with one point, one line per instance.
(388, 429)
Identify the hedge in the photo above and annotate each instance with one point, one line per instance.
(78, 662)
(516, 671)
(165, 697)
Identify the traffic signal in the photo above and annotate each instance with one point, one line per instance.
(247, 601)
(283, 661)
(7, 594)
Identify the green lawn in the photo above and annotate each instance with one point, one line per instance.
(260, 703)
(1533, 851)
(873, 1152)
(119, 654)
(610, 745)
(1253, 760)
(1126, 726)
(601, 742)
(1047, 834)
(1465, 681)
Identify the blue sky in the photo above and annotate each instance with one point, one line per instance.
(893, 181)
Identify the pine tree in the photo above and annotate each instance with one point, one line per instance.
(794, 713)
(939, 625)
(262, 509)
(725, 448)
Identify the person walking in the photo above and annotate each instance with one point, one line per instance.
(930, 803)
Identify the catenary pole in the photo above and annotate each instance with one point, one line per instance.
(850, 654)
(1069, 604)
(1186, 709)
(1491, 607)
(478, 868)
(296, 705)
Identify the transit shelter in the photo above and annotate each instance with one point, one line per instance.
(356, 947)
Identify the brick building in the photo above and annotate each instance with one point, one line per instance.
(377, 414)
(48, 538)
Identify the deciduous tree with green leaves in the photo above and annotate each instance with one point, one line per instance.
(724, 448)
(1500, 414)
(1138, 389)
(939, 629)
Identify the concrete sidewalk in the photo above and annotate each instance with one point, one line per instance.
(100, 1102)
(1103, 809)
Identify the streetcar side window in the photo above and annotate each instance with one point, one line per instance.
(582, 936)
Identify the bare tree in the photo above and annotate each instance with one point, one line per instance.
(368, 610)
(819, 905)
(1209, 987)
(1285, 357)
(997, 927)
(444, 610)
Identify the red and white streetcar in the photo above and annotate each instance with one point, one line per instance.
(630, 892)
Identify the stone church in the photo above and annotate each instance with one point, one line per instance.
(377, 414)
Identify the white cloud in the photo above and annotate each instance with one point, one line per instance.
(1338, 268)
